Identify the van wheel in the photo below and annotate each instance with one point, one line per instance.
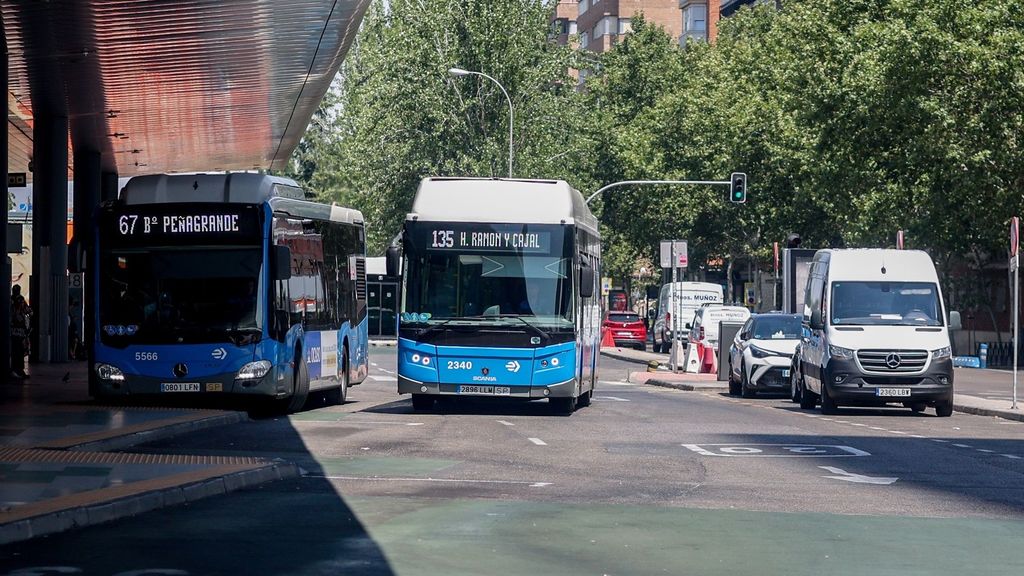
(944, 409)
(339, 395)
(807, 398)
(828, 406)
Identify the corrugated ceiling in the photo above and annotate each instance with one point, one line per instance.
(174, 85)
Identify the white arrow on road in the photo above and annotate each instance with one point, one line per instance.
(512, 366)
(219, 353)
(856, 478)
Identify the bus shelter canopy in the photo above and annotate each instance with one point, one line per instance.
(173, 85)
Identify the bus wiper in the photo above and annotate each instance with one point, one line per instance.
(533, 328)
(437, 327)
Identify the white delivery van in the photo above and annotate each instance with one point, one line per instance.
(705, 322)
(876, 332)
(687, 298)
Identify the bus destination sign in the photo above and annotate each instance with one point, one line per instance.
(184, 224)
(489, 241)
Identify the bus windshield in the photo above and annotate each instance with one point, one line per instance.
(180, 295)
(489, 285)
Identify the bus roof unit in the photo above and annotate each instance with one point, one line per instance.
(284, 194)
(495, 200)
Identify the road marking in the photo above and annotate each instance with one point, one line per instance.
(896, 432)
(609, 382)
(382, 378)
(962, 445)
(916, 436)
(985, 451)
(1011, 456)
(503, 423)
(538, 441)
(373, 363)
(445, 480)
(845, 476)
(858, 424)
(615, 398)
(414, 424)
(940, 440)
(790, 450)
(877, 428)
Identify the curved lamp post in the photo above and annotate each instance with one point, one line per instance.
(459, 72)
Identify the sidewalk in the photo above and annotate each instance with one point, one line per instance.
(56, 472)
(981, 392)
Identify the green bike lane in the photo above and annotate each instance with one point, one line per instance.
(612, 490)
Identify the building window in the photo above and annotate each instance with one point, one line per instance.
(584, 5)
(584, 40)
(607, 25)
(625, 26)
(572, 27)
(560, 26)
(695, 21)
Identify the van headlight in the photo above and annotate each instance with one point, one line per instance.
(109, 373)
(840, 353)
(254, 370)
(942, 353)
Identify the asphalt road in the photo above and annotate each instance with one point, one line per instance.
(645, 481)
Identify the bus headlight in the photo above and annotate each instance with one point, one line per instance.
(254, 370)
(942, 353)
(109, 373)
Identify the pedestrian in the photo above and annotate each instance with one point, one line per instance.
(21, 320)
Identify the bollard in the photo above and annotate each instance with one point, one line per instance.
(983, 354)
(652, 366)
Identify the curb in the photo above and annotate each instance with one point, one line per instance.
(129, 440)
(102, 512)
(619, 356)
(688, 386)
(979, 411)
(384, 343)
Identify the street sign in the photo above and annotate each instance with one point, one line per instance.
(606, 286)
(680, 251)
(17, 179)
(1014, 236)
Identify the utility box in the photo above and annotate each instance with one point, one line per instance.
(727, 332)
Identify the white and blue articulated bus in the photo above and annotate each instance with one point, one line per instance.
(500, 292)
(228, 284)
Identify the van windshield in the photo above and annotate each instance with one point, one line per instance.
(885, 304)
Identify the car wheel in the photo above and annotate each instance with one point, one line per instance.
(807, 398)
(828, 405)
(734, 385)
(745, 390)
(944, 409)
(794, 386)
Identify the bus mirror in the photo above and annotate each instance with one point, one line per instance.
(586, 282)
(282, 263)
(954, 321)
(393, 260)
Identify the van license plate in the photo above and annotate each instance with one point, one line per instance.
(893, 392)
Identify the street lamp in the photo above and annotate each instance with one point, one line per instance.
(459, 72)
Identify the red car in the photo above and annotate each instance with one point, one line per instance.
(627, 329)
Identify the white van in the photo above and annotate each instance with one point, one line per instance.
(706, 320)
(686, 297)
(876, 333)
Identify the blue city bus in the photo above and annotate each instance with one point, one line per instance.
(499, 282)
(228, 284)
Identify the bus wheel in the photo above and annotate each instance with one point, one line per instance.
(301, 392)
(584, 400)
(422, 402)
(339, 395)
(563, 406)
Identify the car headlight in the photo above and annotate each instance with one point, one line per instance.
(760, 352)
(109, 373)
(840, 353)
(942, 353)
(254, 370)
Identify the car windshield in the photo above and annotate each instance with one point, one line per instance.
(885, 304)
(777, 328)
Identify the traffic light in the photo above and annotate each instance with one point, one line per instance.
(738, 188)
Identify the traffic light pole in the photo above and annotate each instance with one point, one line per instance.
(658, 183)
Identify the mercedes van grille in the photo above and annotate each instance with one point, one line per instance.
(890, 361)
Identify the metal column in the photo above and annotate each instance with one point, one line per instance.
(5, 271)
(49, 289)
(108, 186)
(88, 182)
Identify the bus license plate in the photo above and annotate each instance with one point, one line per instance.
(179, 387)
(495, 390)
(893, 392)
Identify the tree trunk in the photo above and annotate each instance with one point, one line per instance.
(730, 294)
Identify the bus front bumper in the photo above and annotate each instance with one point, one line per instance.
(560, 390)
(275, 384)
